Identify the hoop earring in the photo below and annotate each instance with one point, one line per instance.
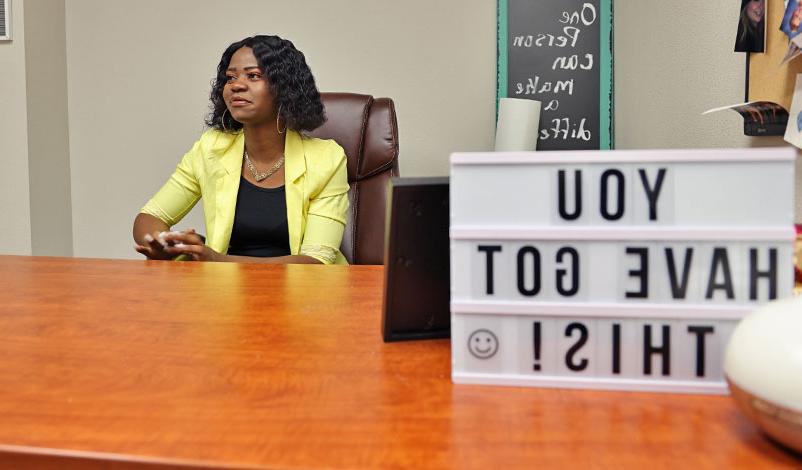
(223, 121)
(278, 128)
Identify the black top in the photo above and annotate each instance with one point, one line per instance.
(260, 222)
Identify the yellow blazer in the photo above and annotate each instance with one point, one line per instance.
(316, 187)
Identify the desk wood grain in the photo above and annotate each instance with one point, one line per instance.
(144, 364)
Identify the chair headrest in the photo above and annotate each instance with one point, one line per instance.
(365, 128)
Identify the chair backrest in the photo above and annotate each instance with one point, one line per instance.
(366, 128)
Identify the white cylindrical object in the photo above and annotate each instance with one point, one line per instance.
(518, 123)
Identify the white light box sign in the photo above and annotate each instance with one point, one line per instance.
(573, 351)
(698, 268)
(721, 187)
(616, 270)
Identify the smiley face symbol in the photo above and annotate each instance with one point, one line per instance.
(483, 344)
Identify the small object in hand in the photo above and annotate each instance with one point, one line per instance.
(161, 239)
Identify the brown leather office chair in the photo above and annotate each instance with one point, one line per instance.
(366, 128)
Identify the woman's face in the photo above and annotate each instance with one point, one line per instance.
(247, 92)
(754, 11)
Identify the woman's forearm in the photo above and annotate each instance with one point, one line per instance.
(147, 224)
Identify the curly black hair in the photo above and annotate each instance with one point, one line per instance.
(288, 76)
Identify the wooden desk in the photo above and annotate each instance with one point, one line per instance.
(134, 364)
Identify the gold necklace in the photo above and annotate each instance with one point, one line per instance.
(262, 176)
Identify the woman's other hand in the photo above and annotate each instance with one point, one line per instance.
(190, 243)
(154, 247)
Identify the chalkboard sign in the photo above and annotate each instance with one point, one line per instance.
(559, 52)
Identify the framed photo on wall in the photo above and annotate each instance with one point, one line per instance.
(560, 52)
(5, 20)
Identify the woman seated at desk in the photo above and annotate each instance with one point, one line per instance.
(270, 194)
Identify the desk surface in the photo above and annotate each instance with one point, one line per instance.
(219, 364)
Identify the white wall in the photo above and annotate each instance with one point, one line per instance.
(674, 60)
(139, 82)
(48, 139)
(138, 79)
(15, 213)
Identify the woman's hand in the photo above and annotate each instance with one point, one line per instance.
(155, 246)
(190, 243)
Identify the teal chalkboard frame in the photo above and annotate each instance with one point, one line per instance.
(606, 95)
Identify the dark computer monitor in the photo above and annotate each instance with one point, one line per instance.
(416, 260)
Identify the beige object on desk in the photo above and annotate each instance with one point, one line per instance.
(518, 124)
(763, 365)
